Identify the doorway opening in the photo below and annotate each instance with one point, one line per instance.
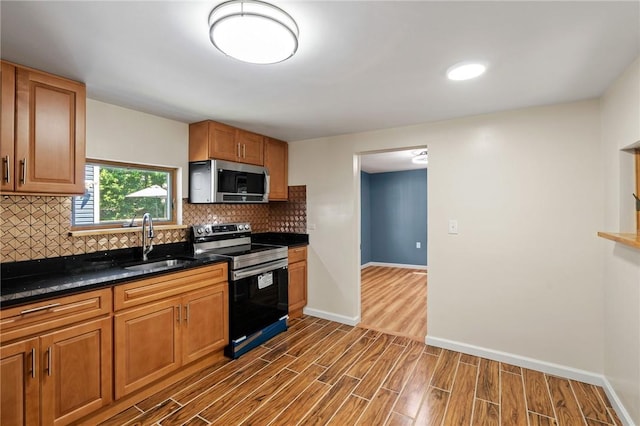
(393, 242)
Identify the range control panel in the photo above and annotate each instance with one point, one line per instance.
(210, 229)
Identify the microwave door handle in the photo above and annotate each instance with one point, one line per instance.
(267, 183)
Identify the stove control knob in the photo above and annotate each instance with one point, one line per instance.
(207, 230)
(199, 230)
(247, 227)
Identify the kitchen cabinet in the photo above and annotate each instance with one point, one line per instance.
(168, 322)
(209, 139)
(61, 368)
(276, 160)
(43, 132)
(250, 147)
(7, 125)
(297, 280)
(19, 381)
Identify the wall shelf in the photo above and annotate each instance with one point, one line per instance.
(630, 239)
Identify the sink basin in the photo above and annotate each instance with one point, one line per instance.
(158, 265)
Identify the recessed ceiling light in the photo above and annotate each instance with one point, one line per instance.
(253, 31)
(466, 71)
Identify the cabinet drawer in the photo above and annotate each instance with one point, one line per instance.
(297, 254)
(163, 286)
(48, 314)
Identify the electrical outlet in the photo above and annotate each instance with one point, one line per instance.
(417, 244)
(453, 226)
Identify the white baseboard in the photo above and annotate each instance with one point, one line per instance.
(538, 365)
(621, 411)
(394, 265)
(353, 321)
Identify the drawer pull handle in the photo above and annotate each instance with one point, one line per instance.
(7, 173)
(33, 362)
(39, 308)
(49, 361)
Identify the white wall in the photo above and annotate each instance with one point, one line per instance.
(121, 134)
(621, 127)
(524, 274)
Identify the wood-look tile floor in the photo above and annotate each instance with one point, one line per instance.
(394, 300)
(324, 373)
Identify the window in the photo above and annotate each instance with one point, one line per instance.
(118, 194)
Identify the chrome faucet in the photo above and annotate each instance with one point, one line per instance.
(147, 235)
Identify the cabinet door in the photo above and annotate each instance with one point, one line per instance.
(76, 371)
(50, 133)
(297, 288)
(19, 378)
(222, 142)
(205, 322)
(146, 344)
(7, 126)
(276, 160)
(251, 147)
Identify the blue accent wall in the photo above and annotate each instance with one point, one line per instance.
(397, 205)
(365, 220)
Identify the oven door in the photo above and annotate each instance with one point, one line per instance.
(258, 297)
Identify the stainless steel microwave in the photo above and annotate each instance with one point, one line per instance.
(218, 181)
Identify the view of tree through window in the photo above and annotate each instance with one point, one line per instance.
(120, 193)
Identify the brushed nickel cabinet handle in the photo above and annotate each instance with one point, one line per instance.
(238, 149)
(186, 313)
(49, 350)
(7, 170)
(178, 312)
(23, 177)
(33, 362)
(39, 308)
(244, 150)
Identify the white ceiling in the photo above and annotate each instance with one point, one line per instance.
(360, 65)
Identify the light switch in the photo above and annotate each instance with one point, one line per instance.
(453, 226)
(417, 244)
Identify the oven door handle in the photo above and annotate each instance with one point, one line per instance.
(259, 269)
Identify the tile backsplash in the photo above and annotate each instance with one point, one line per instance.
(35, 227)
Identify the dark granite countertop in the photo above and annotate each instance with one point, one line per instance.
(289, 239)
(33, 280)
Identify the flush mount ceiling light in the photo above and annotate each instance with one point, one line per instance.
(421, 158)
(253, 31)
(466, 71)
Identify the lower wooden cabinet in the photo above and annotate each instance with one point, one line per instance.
(206, 322)
(20, 383)
(146, 344)
(76, 371)
(297, 281)
(160, 337)
(56, 359)
(58, 377)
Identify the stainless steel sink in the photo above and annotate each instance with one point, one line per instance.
(158, 265)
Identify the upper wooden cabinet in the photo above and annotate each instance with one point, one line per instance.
(7, 126)
(209, 139)
(43, 132)
(276, 160)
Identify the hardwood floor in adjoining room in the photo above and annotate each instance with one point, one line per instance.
(324, 373)
(394, 300)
